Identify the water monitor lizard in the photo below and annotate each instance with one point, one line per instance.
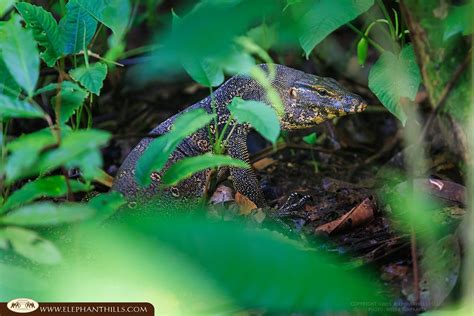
(308, 100)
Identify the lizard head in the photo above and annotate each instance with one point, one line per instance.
(310, 100)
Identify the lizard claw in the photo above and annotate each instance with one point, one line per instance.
(293, 204)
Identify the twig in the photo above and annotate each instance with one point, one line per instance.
(414, 259)
(444, 95)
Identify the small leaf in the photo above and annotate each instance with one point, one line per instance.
(393, 77)
(186, 167)
(261, 116)
(30, 245)
(72, 98)
(14, 108)
(76, 26)
(54, 87)
(362, 50)
(20, 54)
(45, 31)
(325, 16)
(54, 186)
(91, 77)
(47, 214)
(156, 155)
(310, 139)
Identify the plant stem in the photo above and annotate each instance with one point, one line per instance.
(371, 41)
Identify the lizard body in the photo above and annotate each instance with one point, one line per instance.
(308, 100)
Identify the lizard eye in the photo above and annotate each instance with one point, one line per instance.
(293, 93)
(322, 92)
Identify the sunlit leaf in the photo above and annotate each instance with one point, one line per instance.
(5, 5)
(53, 186)
(20, 54)
(8, 85)
(159, 150)
(47, 214)
(14, 108)
(321, 18)
(259, 115)
(186, 167)
(30, 245)
(77, 27)
(45, 31)
(393, 77)
(91, 77)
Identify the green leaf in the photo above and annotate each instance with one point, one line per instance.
(362, 50)
(20, 54)
(30, 245)
(14, 108)
(310, 139)
(90, 77)
(47, 214)
(55, 86)
(325, 16)
(158, 151)
(393, 77)
(459, 20)
(72, 98)
(8, 85)
(106, 204)
(186, 167)
(24, 151)
(5, 5)
(115, 14)
(77, 27)
(54, 186)
(261, 116)
(45, 31)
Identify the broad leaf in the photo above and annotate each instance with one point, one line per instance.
(72, 98)
(47, 214)
(321, 18)
(14, 108)
(45, 31)
(20, 55)
(8, 85)
(54, 186)
(159, 150)
(105, 204)
(459, 20)
(77, 27)
(393, 77)
(188, 166)
(91, 77)
(5, 5)
(30, 245)
(261, 116)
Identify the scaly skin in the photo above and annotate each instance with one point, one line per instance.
(308, 100)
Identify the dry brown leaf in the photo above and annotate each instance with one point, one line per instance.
(263, 163)
(359, 215)
(245, 204)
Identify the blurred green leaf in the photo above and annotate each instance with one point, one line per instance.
(20, 54)
(158, 151)
(47, 214)
(263, 35)
(186, 167)
(321, 18)
(393, 77)
(30, 245)
(24, 151)
(8, 85)
(77, 27)
(45, 31)
(261, 116)
(5, 5)
(362, 50)
(14, 108)
(310, 139)
(55, 86)
(14, 279)
(72, 98)
(91, 77)
(105, 204)
(459, 20)
(53, 186)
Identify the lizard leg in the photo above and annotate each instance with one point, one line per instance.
(291, 207)
(245, 181)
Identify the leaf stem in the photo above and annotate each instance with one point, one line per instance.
(371, 41)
